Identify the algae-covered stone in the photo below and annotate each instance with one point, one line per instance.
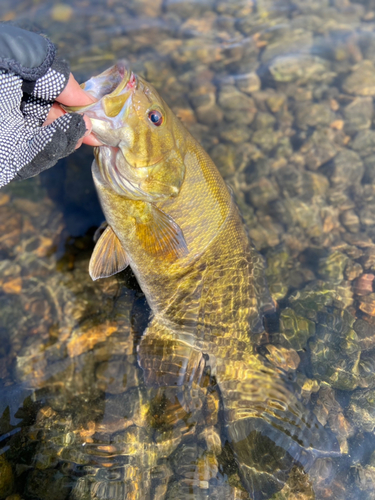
(237, 106)
(282, 41)
(348, 169)
(362, 79)
(264, 120)
(315, 297)
(364, 479)
(276, 102)
(366, 369)
(332, 267)
(358, 114)
(364, 142)
(262, 192)
(313, 115)
(367, 215)
(350, 220)
(367, 304)
(301, 67)
(369, 163)
(296, 182)
(6, 477)
(187, 9)
(335, 352)
(224, 157)
(284, 358)
(277, 272)
(248, 83)
(366, 334)
(328, 409)
(361, 410)
(319, 148)
(235, 134)
(266, 139)
(295, 330)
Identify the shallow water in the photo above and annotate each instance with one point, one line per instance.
(280, 93)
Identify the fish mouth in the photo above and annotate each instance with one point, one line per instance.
(109, 89)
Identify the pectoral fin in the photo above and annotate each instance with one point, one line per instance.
(108, 257)
(160, 235)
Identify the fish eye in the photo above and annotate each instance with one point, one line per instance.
(155, 117)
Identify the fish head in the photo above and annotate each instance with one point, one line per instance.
(131, 116)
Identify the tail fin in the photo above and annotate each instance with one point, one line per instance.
(269, 430)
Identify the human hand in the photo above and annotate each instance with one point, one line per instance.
(73, 95)
(31, 79)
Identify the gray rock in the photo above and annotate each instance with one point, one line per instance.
(295, 330)
(367, 215)
(348, 169)
(319, 148)
(362, 80)
(262, 192)
(369, 163)
(264, 120)
(350, 221)
(183, 9)
(285, 41)
(332, 268)
(235, 134)
(335, 352)
(224, 157)
(209, 115)
(313, 115)
(237, 106)
(361, 410)
(364, 142)
(266, 139)
(248, 83)
(299, 67)
(358, 114)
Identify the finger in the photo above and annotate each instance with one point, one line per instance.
(55, 112)
(89, 139)
(73, 95)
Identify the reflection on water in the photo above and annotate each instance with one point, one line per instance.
(280, 93)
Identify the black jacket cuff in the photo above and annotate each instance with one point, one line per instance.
(24, 53)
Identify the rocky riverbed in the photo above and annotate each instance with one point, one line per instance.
(280, 93)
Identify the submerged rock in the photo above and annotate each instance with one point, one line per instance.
(295, 330)
(335, 352)
(361, 410)
(358, 114)
(6, 478)
(347, 169)
(361, 81)
(299, 67)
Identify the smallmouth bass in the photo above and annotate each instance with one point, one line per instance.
(172, 218)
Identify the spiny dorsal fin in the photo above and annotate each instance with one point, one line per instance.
(108, 257)
(161, 236)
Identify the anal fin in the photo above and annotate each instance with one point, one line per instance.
(108, 257)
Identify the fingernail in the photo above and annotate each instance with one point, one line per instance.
(90, 96)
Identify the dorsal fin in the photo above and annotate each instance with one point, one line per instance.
(108, 257)
(162, 236)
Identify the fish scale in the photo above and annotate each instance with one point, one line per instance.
(202, 279)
